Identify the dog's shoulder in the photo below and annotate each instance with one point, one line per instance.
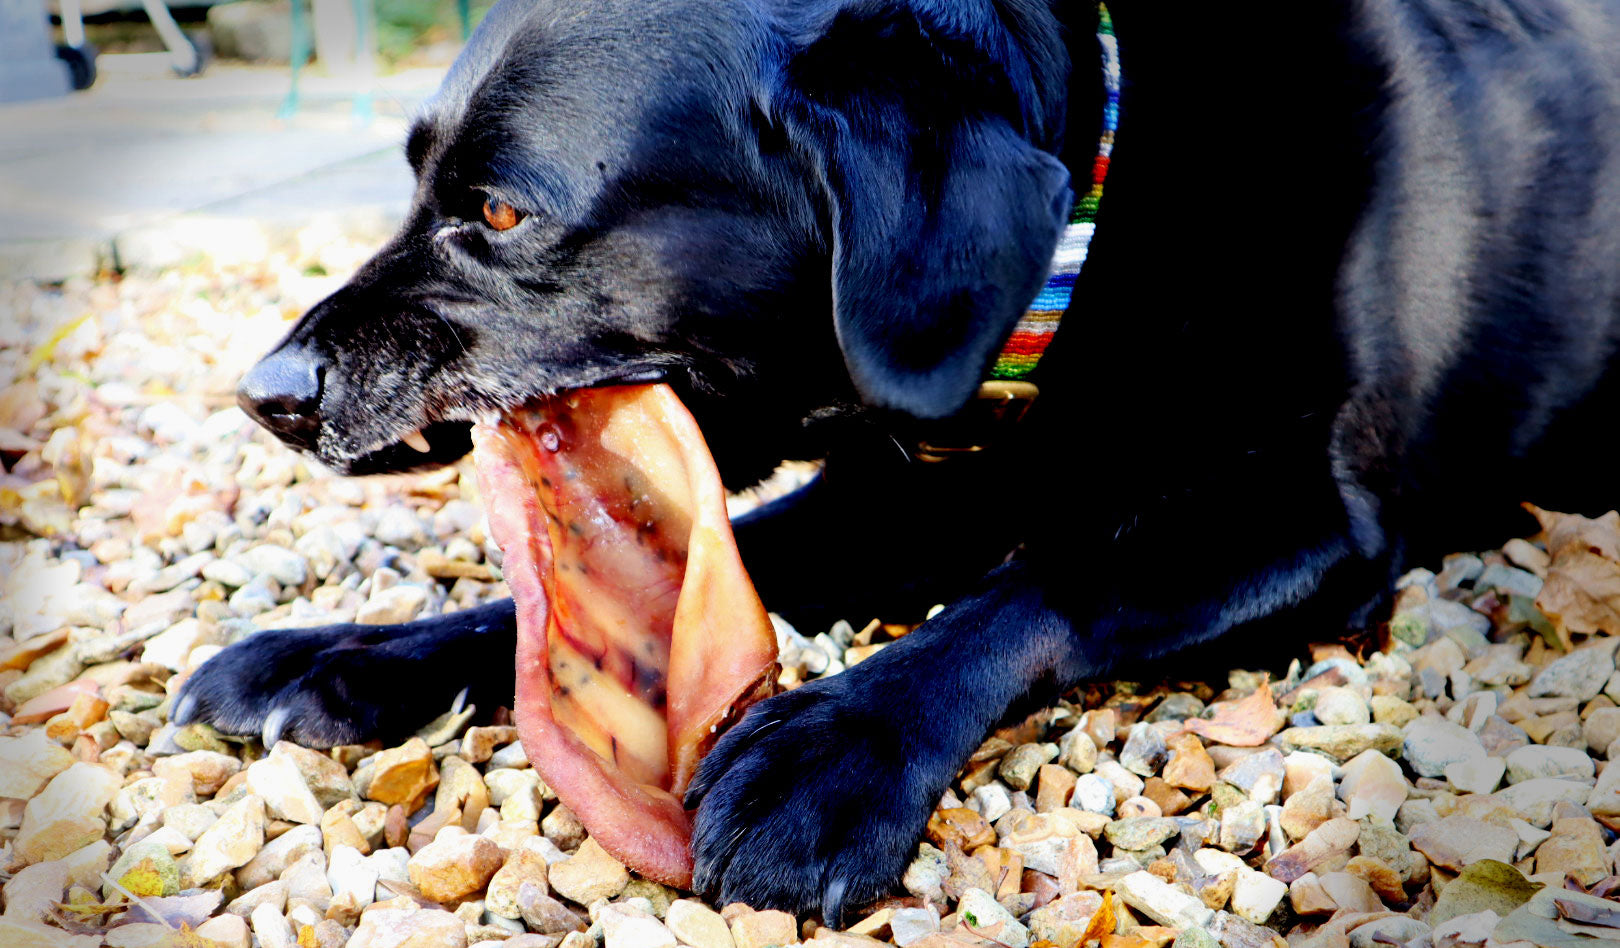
(1496, 157)
(1478, 292)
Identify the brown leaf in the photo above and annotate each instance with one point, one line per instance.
(1563, 531)
(173, 910)
(1582, 592)
(966, 872)
(1587, 914)
(1246, 722)
(1322, 848)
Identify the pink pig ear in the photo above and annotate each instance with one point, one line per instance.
(640, 636)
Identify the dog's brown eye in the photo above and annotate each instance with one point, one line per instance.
(500, 215)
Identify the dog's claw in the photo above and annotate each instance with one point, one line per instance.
(275, 723)
(184, 710)
(832, 904)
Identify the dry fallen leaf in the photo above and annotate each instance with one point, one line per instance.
(1485, 885)
(175, 911)
(184, 937)
(966, 872)
(1588, 914)
(144, 879)
(1246, 722)
(1321, 847)
(1102, 921)
(1582, 592)
(1601, 536)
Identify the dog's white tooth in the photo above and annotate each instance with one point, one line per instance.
(460, 702)
(415, 440)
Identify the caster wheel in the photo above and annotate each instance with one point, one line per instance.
(201, 52)
(81, 63)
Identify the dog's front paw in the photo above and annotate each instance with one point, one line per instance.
(317, 687)
(345, 684)
(812, 802)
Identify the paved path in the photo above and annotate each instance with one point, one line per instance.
(146, 170)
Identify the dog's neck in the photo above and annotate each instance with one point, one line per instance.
(1204, 65)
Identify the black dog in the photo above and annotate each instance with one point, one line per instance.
(1353, 295)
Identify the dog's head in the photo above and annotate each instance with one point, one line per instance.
(780, 209)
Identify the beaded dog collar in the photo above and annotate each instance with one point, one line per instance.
(1006, 395)
(1023, 350)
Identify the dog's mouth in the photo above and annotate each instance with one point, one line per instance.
(447, 436)
(640, 636)
(431, 445)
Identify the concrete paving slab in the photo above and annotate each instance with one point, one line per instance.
(145, 171)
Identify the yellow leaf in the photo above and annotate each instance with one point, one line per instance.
(43, 353)
(92, 908)
(184, 937)
(143, 879)
(1102, 921)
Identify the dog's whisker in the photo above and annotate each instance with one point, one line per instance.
(456, 334)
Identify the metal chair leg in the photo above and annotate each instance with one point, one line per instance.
(72, 23)
(182, 54)
(76, 51)
(297, 57)
(365, 55)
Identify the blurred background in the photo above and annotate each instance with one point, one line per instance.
(179, 182)
(141, 134)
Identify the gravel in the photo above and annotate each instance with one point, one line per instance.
(1444, 779)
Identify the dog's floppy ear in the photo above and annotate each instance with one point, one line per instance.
(933, 267)
(943, 213)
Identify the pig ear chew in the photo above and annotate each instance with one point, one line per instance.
(640, 636)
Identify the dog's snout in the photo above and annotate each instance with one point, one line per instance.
(283, 393)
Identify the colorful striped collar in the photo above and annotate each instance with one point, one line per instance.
(1007, 394)
(1028, 342)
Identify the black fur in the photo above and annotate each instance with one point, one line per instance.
(1353, 296)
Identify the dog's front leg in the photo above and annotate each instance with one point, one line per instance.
(817, 797)
(815, 800)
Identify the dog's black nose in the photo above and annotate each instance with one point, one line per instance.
(283, 393)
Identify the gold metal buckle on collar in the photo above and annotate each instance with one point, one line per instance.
(999, 406)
